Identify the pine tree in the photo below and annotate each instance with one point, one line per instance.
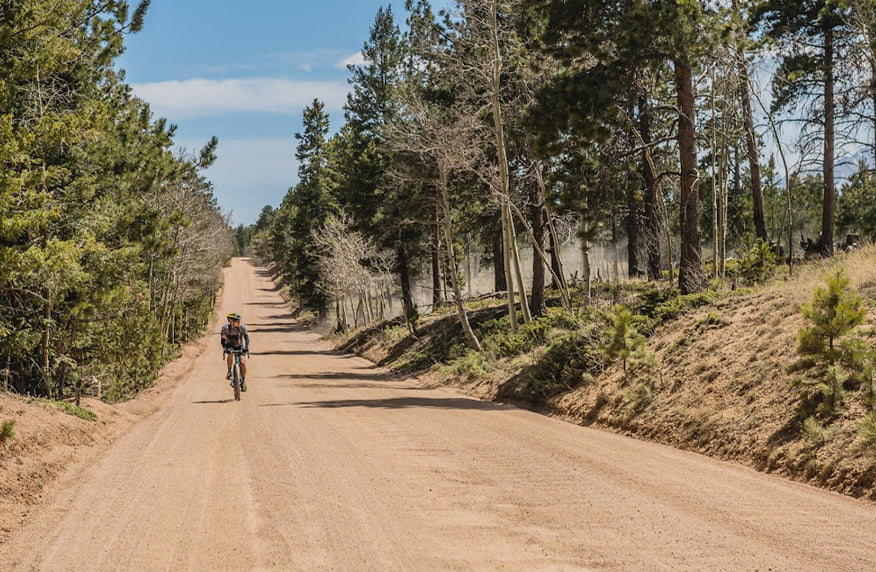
(386, 213)
(833, 313)
(820, 26)
(309, 205)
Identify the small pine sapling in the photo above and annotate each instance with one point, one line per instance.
(625, 342)
(827, 345)
(6, 432)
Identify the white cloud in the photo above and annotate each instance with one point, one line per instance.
(258, 162)
(206, 97)
(249, 174)
(356, 59)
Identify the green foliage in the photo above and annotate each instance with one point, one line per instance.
(109, 243)
(305, 209)
(867, 431)
(6, 431)
(826, 344)
(568, 360)
(856, 205)
(624, 342)
(813, 431)
(713, 319)
(76, 411)
(639, 397)
(833, 313)
(659, 306)
(757, 264)
(473, 365)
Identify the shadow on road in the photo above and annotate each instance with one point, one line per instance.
(400, 403)
(352, 386)
(213, 402)
(343, 376)
(283, 329)
(294, 353)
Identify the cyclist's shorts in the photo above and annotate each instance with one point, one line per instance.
(241, 356)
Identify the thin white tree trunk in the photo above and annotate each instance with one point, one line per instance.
(451, 262)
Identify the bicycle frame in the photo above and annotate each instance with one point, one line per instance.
(235, 372)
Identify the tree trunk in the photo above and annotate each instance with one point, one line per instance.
(518, 274)
(500, 284)
(714, 150)
(499, 134)
(825, 241)
(506, 261)
(537, 306)
(457, 292)
(585, 255)
(404, 272)
(690, 271)
(632, 222)
(47, 330)
(760, 228)
(437, 289)
(652, 209)
(555, 260)
(873, 98)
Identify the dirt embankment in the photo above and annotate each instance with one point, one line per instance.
(722, 386)
(51, 446)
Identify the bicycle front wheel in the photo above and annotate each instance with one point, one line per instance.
(236, 376)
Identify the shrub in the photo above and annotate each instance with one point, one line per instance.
(867, 431)
(498, 339)
(76, 411)
(472, 365)
(624, 342)
(757, 264)
(662, 305)
(827, 346)
(712, 319)
(813, 431)
(6, 431)
(639, 396)
(568, 361)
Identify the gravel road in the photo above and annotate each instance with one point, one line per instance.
(330, 463)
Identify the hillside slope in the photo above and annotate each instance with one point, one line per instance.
(722, 386)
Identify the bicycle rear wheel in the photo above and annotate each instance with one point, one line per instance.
(236, 377)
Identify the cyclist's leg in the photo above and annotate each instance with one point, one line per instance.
(243, 366)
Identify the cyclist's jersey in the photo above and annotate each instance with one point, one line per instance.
(234, 336)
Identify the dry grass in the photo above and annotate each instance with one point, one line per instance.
(722, 387)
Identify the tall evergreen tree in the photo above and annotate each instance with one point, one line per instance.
(312, 201)
(381, 210)
(812, 35)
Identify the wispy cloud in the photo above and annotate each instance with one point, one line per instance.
(356, 59)
(206, 97)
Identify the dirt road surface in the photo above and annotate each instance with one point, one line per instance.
(330, 463)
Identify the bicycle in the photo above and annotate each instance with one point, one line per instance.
(235, 371)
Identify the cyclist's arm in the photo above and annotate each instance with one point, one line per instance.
(245, 336)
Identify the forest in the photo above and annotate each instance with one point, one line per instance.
(701, 141)
(111, 240)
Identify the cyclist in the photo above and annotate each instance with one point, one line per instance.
(235, 337)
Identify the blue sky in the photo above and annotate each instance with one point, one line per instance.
(244, 71)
